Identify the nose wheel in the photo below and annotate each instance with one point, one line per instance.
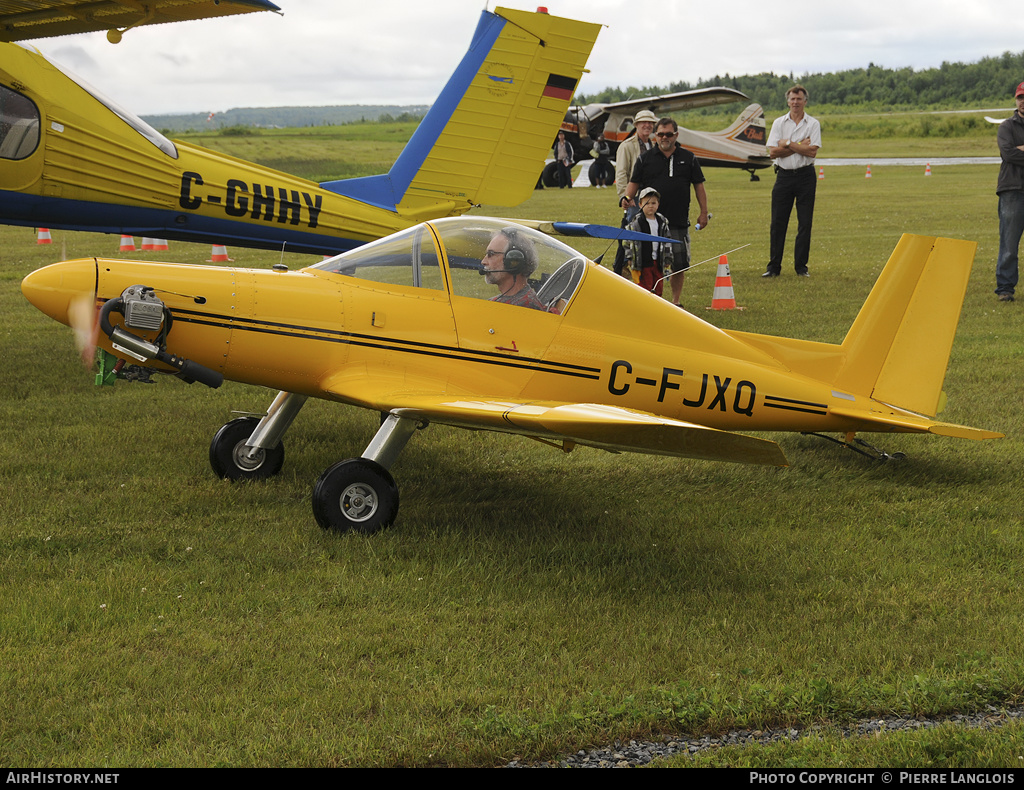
(357, 494)
(230, 457)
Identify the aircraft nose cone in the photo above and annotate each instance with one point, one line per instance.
(54, 288)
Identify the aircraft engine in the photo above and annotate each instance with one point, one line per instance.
(143, 310)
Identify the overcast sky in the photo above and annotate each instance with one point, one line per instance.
(326, 52)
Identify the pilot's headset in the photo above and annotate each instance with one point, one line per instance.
(516, 260)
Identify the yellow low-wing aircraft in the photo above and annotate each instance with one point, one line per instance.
(408, 327)
(72, 159)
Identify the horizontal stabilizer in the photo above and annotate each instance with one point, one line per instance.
(898, 421)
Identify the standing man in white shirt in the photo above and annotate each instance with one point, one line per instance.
(793, 144)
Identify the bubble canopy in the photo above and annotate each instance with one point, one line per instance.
(447, 255)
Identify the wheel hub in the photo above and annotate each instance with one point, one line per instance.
(358, 502)
(245, 461)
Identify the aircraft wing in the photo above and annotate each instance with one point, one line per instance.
(21, 20)
(590, 424)
(677, 102)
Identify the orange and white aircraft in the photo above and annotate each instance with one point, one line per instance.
(408, 327)
(71, 158)
(740, 145)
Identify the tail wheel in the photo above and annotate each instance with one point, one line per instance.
(357, 494)
(230, 458)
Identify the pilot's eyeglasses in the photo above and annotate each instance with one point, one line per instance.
(667, 135)
(492, 253)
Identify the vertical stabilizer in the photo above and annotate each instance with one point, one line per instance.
(898, 347)
(487, 135)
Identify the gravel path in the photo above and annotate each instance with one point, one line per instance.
(634, 753)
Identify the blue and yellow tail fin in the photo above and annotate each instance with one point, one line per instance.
(486, 137)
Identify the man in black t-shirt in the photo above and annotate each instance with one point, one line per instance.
(671, 170)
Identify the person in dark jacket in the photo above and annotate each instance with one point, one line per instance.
(1010, 188)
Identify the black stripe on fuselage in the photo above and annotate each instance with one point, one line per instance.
(788, 404)
(390, 344)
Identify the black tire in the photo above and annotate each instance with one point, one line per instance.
(549, 177)
(357, 494)
(226, 448)
(595, 171)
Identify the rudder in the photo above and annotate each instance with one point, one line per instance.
(486, 137)
(898, 348)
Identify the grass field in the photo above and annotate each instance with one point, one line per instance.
(156, 616)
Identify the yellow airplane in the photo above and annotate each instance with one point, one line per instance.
(72, 159)
(481, 324)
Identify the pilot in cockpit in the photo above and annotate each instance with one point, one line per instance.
(509, 261)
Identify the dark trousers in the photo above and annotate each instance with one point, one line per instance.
(564, 175)
(792, 186)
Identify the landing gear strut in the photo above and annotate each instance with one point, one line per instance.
(249, 448)
(358, 494)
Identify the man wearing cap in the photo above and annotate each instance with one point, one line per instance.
(671, 170)
(793, 143)
(1010, 188)
(625, 159)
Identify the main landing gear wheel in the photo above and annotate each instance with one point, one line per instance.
(549, 175)
(357, 494)
(228, 455)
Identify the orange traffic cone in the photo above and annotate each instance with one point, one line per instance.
(868, 174)
(160, 244)
(927, 169)
(821, 173)
(127, 244)
(44, 236)
(723, 297)
(219, 254)
(147, 243)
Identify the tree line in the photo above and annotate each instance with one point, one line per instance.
(989, 82)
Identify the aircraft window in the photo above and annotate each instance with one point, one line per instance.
(19, 125)
(409, 259)
(552, 269)
(127, 116)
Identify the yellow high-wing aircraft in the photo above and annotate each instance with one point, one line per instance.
(408, 327)
(72, 159)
